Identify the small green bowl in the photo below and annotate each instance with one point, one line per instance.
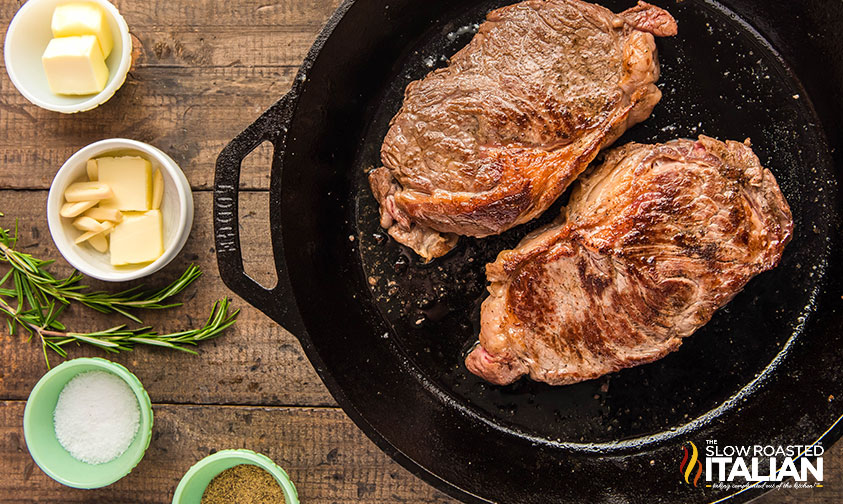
(192, 486)
(40, 434)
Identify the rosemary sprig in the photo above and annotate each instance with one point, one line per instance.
(43, 285)
(39, 299)
(117, 339)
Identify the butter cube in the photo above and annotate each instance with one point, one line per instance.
(75, 65)
(138, 239)
(83, 18)
(130, 177)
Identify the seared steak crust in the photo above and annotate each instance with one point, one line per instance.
(653, 242)
(491, 140)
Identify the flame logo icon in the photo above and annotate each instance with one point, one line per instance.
(686, 467)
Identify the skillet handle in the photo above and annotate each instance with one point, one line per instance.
(270, 126)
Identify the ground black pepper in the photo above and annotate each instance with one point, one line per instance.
(243, 484)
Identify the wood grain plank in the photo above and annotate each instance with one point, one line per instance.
(190, 114)
(213, 34)
(270, 46)
(211, 14)
(226, 46)
(327, 457)
(256, 362)
(30, 158)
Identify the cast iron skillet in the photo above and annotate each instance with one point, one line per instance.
(388, 334)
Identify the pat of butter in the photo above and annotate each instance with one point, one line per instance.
(130, 177)
(138, 239)
(83, 18)
(75, 65)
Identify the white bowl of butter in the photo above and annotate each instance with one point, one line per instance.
(27, 38)
(176, 210)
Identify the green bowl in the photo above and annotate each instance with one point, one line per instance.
(193, 484)
(39, 430)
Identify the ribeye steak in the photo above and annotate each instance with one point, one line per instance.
(652, 243)
(491, 140)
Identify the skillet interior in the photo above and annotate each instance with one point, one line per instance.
(737, 89)
(390, 332)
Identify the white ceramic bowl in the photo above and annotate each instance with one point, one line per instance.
(28, 36)
(176, 209)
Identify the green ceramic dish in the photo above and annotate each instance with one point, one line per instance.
(194, 482)
(40, 434)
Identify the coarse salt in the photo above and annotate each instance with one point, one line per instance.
(96, 417)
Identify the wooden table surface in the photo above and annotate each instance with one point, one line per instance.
(203, 70)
